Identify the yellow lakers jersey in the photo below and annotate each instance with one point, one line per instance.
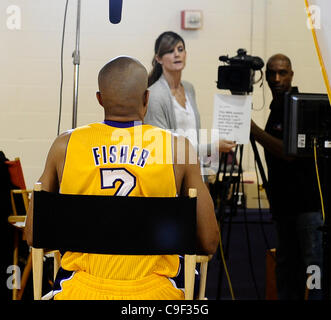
(121, 159)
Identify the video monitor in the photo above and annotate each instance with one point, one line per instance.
(307, 117)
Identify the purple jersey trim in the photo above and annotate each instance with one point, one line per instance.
(119, 124)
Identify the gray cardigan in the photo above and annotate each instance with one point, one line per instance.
(160, 111)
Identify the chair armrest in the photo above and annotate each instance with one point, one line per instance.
(21, 191)
(204, 258)
(17, 221)
(14, 219)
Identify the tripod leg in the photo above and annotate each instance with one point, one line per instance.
(260, 166)
(226, 185)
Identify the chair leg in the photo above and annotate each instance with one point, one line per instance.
(57, 262)
(25, 276)
(203, 280)
(15, 263)
(190, 264)
(37, 270)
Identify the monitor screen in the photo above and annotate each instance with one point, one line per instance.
(307, 118)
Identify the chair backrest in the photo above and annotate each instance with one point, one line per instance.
(117, 225)
(171, 229)
(18, 194)
(114, 225)
(16, 173)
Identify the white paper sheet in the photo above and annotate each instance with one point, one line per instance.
(232, 117)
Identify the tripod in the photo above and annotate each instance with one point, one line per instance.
(221, 194)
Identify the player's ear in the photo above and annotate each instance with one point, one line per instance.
(146, 98)
(145, 101)
(98, 95)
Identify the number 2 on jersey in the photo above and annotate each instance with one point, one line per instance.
(109, 177)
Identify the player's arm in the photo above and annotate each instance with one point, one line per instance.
(50, 178)
(189, 176)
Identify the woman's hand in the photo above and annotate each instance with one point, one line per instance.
(226, 145)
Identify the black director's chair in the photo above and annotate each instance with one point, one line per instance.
(117, 225)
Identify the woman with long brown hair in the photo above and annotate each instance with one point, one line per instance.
(172, 103)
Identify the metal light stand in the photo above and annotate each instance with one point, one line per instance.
(76, 62)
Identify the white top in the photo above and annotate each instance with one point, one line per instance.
(186, 121)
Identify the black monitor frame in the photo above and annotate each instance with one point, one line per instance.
(307, 117)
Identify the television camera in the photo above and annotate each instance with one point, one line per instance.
(238, 73)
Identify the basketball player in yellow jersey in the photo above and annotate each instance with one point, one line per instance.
(115, 158)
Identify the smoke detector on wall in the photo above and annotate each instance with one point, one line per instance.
(191, 19)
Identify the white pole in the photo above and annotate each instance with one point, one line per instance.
(76, 62)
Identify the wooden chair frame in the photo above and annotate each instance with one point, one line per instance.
(17, 220)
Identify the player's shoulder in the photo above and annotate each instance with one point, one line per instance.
(81, 130)
(61, 141)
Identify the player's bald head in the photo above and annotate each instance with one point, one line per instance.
(122, 85)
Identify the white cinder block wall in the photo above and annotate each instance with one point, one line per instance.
(30, 59)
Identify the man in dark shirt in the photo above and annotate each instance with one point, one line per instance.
(293, 195)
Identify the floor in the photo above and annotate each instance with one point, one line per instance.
(246, 236)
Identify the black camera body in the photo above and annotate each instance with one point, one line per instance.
(238, 75)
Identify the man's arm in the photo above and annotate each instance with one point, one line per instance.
(270, 143)
(188, 176)
(51, 177)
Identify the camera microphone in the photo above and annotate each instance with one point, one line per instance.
(115, 11)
